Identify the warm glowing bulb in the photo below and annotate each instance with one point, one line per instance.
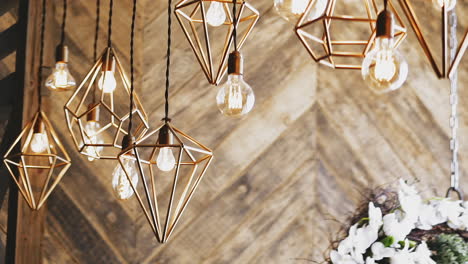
(92, 137)
(60, 79)
(165, 160)
(107, 82)
(383, 68)
(120, 183)
(235, 98)
(39, 142)
(215, 15)
(291, 10)
(449, 4)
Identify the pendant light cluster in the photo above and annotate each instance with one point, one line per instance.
(151, 160)
(37, 159)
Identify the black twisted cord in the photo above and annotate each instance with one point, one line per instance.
(64, 22)
(385, 4)
(109, 40)
(168, 59)
(96, 32)
(234, 18)
(132, 77)
(41, 55)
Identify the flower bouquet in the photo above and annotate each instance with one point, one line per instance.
(411, 231)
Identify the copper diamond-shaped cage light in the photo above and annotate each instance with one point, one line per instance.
(442, 68)
(35, 171)
(211, 44)
(163, 196)
(341, 37)
(97, 120)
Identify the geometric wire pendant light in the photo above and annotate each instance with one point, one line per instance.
(446, 67)
(95, 116)
(208, 26)
(333, 39)
(42, 160)
(168, 183)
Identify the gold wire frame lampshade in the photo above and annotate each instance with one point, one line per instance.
(164, 195)
(341, 37)
(211, 44)
(443, 68)
(97, 119)
(41, 162)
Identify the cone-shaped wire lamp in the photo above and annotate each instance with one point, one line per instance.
(94, 113)
(168, 182)
(208, 26)
(42, 160)
(327, 37)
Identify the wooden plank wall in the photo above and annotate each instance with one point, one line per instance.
(316, 139)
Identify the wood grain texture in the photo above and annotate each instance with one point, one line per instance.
(315, 141)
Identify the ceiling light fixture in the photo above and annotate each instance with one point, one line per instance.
(94, 118)
(42, 160)
(195, 17)
(163, 204)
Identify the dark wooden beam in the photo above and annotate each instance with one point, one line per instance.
(9, 40)
(7, 5)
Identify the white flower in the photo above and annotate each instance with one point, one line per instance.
(352, 246)
(410, 202)
(375, 215)
(337, 258)
(450, 211)
(395, 228)
(428, 217)
(370, 260)
(403, 256)
(422, 255)
(379, 251)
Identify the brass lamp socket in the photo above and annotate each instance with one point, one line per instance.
(127, 141)
(61, 53)
(93, 114)
(235, 63)
(108, 62)
(39, 126)
(385, 24)
(165, 136)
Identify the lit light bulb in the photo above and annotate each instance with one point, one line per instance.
(92, 137)
(291, 10)
(107, 82)
(120, 183)
(235, 98)
(449, 4)
(215, 16)
(384, 69)
(60, 79)
(39, 142)
(165, 160)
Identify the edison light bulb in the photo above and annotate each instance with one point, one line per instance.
(383, 68)
(291, 10)
(60, 79)
(107, 82)
(165, 160)
(39, 142)
(92, 137)
(235, 98)
(120, 183)
(449, 4)
(215, 15)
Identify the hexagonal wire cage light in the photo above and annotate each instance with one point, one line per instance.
(163, 196)
(205, 37)
(42, 155)
(84, 110)
(343, 49)
(444, 68)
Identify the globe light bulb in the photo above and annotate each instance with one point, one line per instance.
(107, 82)
(291, 10)
(92, 128)
(449, 4)
(39, 142)
(215, 16)
(384, 69)
(235, 98)
(165, 160)
(60, 79)
(120, 184)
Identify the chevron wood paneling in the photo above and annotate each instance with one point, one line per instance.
(315, 141)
